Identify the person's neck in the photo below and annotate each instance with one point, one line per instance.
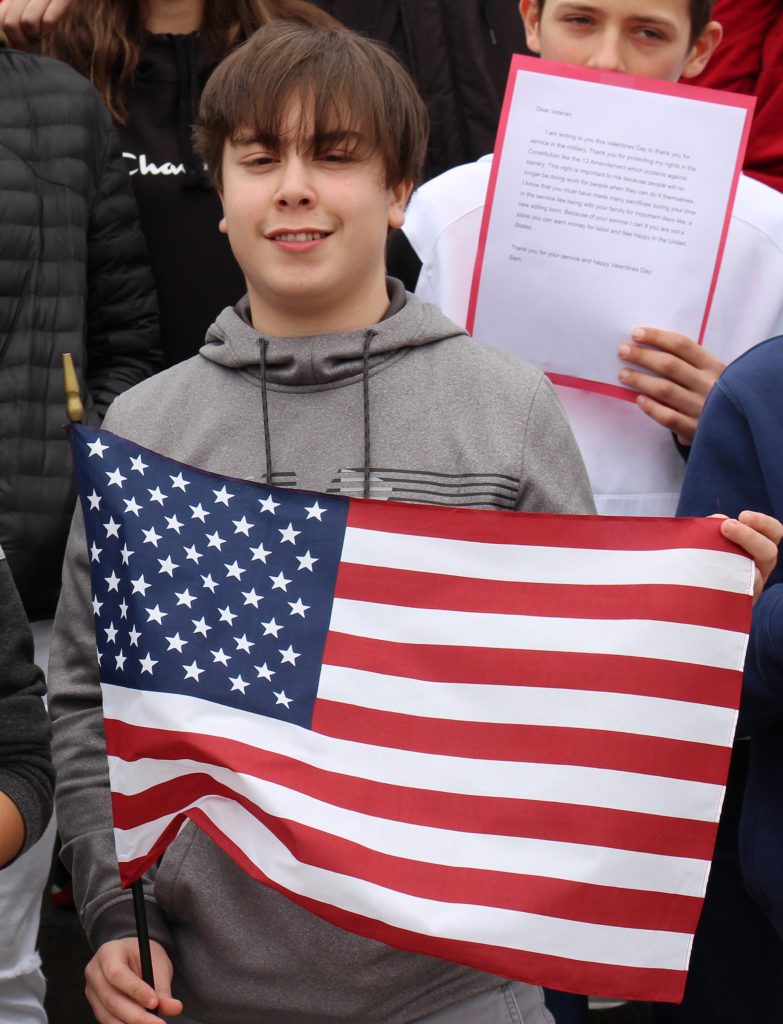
(178, 17)
(299, 322)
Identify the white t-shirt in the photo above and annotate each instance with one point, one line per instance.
(632, 462)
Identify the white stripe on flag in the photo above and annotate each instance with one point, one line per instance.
(604, 944)
(668, 641)
(624, 869)
(529, 705)
(590, 787)
(692, 567)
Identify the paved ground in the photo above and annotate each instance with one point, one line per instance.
(65, 952)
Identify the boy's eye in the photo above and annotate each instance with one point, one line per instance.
(577, 19)
(335, 156)
(651, 33)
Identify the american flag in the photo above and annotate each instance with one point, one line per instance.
(497, 738)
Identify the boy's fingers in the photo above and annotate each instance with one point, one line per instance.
(675, 358)
(680, 424)
(675, 396)
(678, 345)
(759, 535)
(115, 990)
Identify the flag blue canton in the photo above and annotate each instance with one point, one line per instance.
(205, 585)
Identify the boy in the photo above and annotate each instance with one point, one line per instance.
(325, 366)
(736, 459)
(633, 465)
(324, 376)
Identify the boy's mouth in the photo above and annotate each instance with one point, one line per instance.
(298, 236)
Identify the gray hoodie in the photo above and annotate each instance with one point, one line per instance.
(410, 409)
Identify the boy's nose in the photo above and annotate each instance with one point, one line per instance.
(295, 188)
(607, 54)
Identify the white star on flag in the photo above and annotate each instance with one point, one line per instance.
(289, 656)
(97, 448)
(140, 586)
(147, 664)
(222, 497)
(268, 505)
(279, 582)
(238, 683)
(112, 529)
(116, 478)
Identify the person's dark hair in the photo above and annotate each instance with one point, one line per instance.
(351, 89)
(102, 39)
(701, 12)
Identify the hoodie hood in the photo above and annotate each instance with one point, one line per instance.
(177, 67)
(327, 360)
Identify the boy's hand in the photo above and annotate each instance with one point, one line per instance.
(760, 536)
(686, 372)
(26, 21)
(116, 992)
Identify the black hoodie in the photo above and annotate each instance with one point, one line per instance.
(195, 272)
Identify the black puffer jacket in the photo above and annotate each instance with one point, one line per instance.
(457, 52)
(73, 278)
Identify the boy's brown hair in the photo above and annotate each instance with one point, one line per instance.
(700, 11)
(353, 93)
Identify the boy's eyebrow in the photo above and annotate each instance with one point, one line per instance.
(336, 135)
(654, 19)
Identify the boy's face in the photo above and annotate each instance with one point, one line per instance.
(651, 38)
(309, 231)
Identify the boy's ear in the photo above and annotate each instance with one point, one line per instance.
(702, 49)
(531, 16)
(222, 227)
(398, 200)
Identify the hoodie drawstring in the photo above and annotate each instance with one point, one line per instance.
(262, 343)
(265, 412)
(366, 397)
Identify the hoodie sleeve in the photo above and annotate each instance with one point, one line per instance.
(26, 773)
(726, 475)
(123, 344)
(82, 792)
(553, 475)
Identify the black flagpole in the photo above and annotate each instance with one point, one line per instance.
(142, 932)
(75, 412)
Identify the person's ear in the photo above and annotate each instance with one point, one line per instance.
(222, 227)
(702, 49)
(398, 200)
(530, 13)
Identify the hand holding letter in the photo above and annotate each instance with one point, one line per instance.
(116, 992)
(674, 378)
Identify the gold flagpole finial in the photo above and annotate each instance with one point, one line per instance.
(73, 403)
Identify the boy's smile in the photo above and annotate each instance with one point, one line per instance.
(650, 38)
(308, 226)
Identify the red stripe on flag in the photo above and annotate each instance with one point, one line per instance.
(506, 816)
(533, 529)
(591, 748)
(531, 894)
(553, 972)
(696, 606)
(646, 677)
